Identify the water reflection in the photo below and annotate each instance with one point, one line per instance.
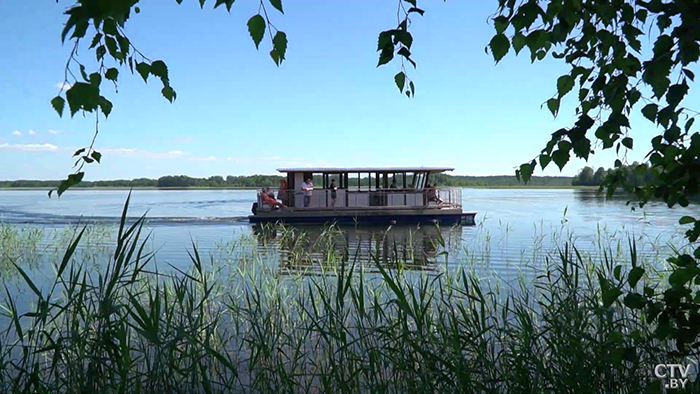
(313, 250)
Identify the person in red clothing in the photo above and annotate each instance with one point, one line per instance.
(267, 199)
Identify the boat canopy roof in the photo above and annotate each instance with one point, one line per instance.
(367, 169)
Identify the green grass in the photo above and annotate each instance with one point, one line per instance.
(247, 324)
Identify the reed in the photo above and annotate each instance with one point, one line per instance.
(247, 324)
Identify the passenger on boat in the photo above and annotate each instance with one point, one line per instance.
(307, 187)
(282, 192)
(432, 193)
(268, 197)
(334, 192)
(393, 184)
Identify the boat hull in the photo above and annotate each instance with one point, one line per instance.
(389, 217)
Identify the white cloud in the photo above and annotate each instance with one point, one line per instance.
(32, 132)
(54, 132)
(17, 133)
(197, 158)
(29, 147)
(175, 152)
(63, 85)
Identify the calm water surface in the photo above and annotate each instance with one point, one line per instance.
(514, 226)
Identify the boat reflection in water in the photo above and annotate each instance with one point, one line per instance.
(313, 250)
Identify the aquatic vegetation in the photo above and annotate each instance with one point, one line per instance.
(19, 245)
(242, 324)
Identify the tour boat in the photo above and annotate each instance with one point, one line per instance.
(362, 196)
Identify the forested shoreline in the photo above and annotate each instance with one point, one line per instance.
(256, 181)
(587, 176)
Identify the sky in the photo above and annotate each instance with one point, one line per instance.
(237, 113)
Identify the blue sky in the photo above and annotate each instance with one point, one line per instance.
(327, 105)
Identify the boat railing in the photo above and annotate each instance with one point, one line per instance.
(443, 197)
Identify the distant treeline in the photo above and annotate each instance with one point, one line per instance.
(635, 175)
(255, 181)
(498, 180)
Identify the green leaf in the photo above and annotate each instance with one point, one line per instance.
(582, 94)
(58, 103)
(526, 170)
(277, 4)
(80, 29)
(109, 27)
(78, 152)
(83, 73)
(403, 37)
(500, 45)
(610, 296)
(560, 158)
(385, 39)
(627, 142)
(501, 24)
(544, 160)
(160, 70)
(686, 220)
(72, 20)
(633, 96)
(689, 74)
(634, 301)
(111, 44)
(256, 28)
(386, 54)
(400, 80)
(275, 56)
(649, 111)
(617, 272)
(144, 69)
(169, 93)
(412, 87)
(680, 277)
(635, 275)
(564, 85)
(280, 45)
(229, 4)
(73, 179)
(96, 155)
(553, 105)
(112, 74)
(82, 96)
(641, 15)
(95, 79)
(95, 40)
(676, 93)
(88, 159)
(100, 52)
(518, 42)
(105, 106)
(414, 9)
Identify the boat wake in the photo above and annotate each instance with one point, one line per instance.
(28, 218)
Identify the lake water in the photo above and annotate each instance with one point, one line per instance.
(515, 227)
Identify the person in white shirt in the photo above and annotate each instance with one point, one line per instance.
(307, 187)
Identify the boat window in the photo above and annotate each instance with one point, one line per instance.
(420, 180)
(353, 181)
(329, 177)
